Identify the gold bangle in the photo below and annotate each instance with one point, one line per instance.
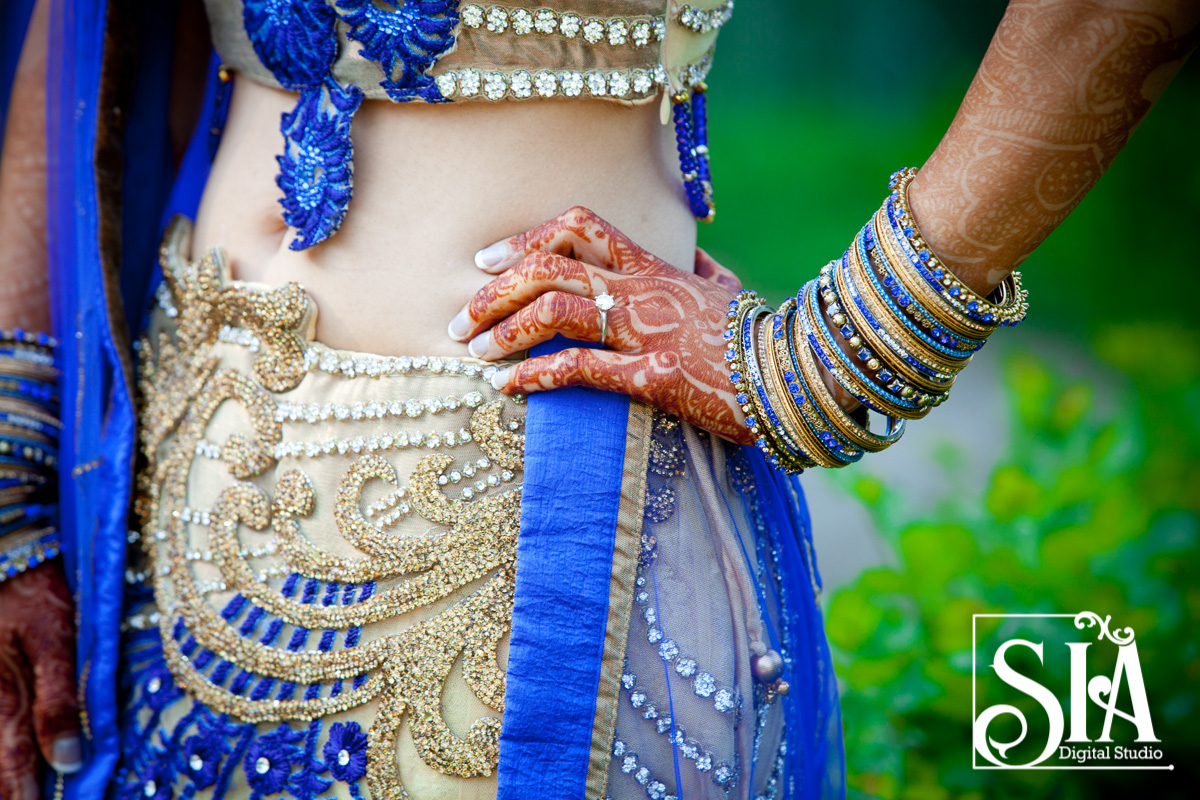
(1014, 304)
(794, 438)
(802, 427)
(880, 269)
(867, 393)
(805, 364)
(887, 343)
(930, 299)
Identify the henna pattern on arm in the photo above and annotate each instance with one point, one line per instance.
(1060, 91)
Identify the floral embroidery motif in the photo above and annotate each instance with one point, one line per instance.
(295, 39)
(411, 34)
(316, 170)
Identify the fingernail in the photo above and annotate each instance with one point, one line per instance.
(66, 755)
(491, 255)
(30, 789)
(500, 379)
(479, 345)
(460, 326)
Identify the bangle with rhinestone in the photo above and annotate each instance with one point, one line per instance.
(812, 384)
(29, 432)
(778, 441)
(20, 336)
(835, 446)
(1014, 303)
(27, 549)
(928, 296)
(739, 356)
(816, 440)
(912, 364)
(905, 373)
(736, 353)
(39, 392)
(878, 398)
(873, 360)
(864, 390)
(913, 315)
(939, 347)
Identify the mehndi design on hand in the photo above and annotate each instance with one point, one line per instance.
(665, 333)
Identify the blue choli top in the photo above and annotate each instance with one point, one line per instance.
(336, 53)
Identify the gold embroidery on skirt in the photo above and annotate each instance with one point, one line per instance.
(462, 575)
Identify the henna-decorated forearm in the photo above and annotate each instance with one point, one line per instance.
(1061, 89)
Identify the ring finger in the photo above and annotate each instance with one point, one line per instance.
(575, 317)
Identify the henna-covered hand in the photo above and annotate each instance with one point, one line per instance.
(38, 711)
(665, 339)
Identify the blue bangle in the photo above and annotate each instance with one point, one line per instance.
(938, 340)
(872, 395)
(927, 371)
(18, 420)
(16, 558)
(750, 348)
(836, 446)
(26, 516)
(817, 318)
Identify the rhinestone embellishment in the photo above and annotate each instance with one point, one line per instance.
(705, 20)
(617, 31)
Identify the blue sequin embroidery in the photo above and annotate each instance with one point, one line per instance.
(206, 751)
(297, 40)
(316, 170)
(412, 37)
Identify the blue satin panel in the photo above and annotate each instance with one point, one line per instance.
(95, 457)
(574, 457)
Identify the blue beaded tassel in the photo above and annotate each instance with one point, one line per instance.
(691, 139)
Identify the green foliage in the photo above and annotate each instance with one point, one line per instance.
(1096, 507)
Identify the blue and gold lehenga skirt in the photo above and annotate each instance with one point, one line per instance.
(351, 576)
(321, 580)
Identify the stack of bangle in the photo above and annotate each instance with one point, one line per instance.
(29, 429)
(910, 326)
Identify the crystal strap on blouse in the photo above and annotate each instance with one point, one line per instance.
(28, 451)
(336, 53)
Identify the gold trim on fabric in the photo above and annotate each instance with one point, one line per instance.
(630, 514)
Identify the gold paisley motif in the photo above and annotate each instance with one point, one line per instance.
(457, 573)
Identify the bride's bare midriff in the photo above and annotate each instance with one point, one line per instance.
(432, 185)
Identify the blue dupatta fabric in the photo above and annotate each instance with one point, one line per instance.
(575, 452)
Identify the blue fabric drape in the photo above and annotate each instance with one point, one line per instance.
(574, 456)
(98, 437)
(97, 434)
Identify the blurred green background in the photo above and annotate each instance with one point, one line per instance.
(1092, 497)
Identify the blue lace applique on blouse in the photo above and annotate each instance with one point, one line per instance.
(297, 40)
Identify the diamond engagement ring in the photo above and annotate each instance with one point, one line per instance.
(604, 303)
